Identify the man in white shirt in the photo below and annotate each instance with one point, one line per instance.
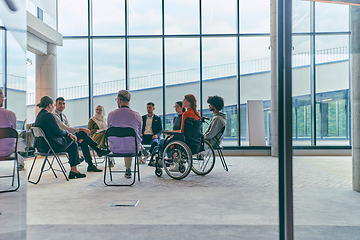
(81, 134)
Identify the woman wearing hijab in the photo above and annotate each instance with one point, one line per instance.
(97, 126)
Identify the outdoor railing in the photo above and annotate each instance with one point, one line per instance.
(191, 75)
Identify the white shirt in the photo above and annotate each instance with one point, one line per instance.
(148, 126)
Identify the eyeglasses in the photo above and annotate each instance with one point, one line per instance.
(116, 99)
(3, 97)
(176, 106)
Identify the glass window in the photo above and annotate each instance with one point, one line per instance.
(182, 17)
(145, 67)
(182, 61)
(108, 17)
(219, 17)
(145, 17)
(108, 71)
(332, 90)
(219, 73)
(255, 16)
(301, 90)
(331, 17)
(73, 17)
(31, 87)
(301, 16)
(72, 81)
(255, 80)
(1, 57)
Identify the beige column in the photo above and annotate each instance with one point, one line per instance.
(46, 74)
(355, 93)
(274, 82)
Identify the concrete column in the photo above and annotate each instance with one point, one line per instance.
(274, 80)
(355, 92)
(46, 74)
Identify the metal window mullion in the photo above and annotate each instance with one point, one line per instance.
(312, 73)
(5, 66)
(163, 60)
(284, 48)
(126, 45)
(238, 70)
(90, 59)
(201, 63)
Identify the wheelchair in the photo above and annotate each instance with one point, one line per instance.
(183, 152)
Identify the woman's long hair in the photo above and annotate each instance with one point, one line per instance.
(192, 100)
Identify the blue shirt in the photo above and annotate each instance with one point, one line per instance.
(7, 119)
(124, 117)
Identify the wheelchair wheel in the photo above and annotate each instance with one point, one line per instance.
(158, 172)
(204, 161)
(177, 160)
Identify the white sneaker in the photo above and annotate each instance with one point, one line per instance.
(142, 160)
(174, 168)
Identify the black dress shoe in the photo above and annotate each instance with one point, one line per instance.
(101, 153)
(73, 175)
(93, 168)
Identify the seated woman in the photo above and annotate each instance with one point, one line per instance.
(60, 140)
(97, 126)
(190, 104)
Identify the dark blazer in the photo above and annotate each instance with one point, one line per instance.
(156, 125)
(58, 139)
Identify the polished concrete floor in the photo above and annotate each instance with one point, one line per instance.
(239, 204)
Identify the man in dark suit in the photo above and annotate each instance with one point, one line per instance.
(151, 128)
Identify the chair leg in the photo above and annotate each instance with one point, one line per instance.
(41, 171)
(223, 160)
(13, 175)
(50, 164)
(137, 162)
(32, 166)
(61, 165)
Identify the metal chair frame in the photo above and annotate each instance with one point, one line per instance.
(219, 148)
(38, 133)
(11, 133)
(121, 132)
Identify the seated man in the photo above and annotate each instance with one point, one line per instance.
(59, 140)
(81, 134)
(7, 119)
(218, 121)
(151, 128)
(124, 117)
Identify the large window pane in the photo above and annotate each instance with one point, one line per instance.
(301, 90)
(145, 16)
(108, 17)
(108, 71)
(219, 17)
(220, 78)
(182, 73)
(73, 80)
(255, 80)
(73, 17)
(332, 90)
(255, 16)
(145, 81)
(331, 17)
(181, 17)
(301, 16)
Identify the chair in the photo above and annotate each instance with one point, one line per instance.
(121, 132)
(11, 133)
(38, 134)
(219, 148)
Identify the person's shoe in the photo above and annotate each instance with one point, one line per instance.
(21, 167)
(101, 153)
(112, 162)
(142, 160)
(128, 173)
(174, 168)
(73, 175)
(93, 168)
(151, 163)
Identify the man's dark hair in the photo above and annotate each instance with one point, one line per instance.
(151, 103)
(60, 99)
(216, 101)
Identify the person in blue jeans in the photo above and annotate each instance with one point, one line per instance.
(151, 127)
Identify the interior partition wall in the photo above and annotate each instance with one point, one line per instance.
(164, 49)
